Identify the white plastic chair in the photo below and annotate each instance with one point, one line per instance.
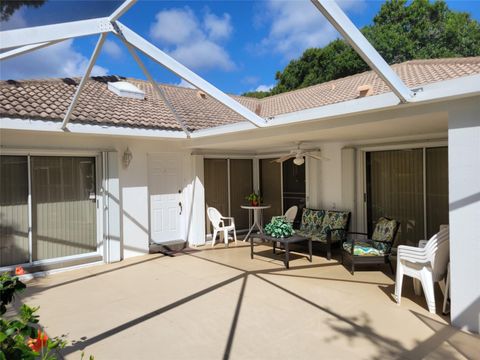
(219, 226)
(428, 264)
(291, 213)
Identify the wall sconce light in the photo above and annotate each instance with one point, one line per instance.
(127, 157)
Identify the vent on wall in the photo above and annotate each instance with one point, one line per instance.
(125, 89)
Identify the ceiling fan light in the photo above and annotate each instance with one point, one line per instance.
(299, 160)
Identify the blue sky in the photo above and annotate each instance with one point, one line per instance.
(236, 45)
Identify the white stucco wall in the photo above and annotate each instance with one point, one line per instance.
(134, 224)
(325, 178)
(464, 199)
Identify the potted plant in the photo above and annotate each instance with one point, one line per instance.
(254, 199)
(279, 227)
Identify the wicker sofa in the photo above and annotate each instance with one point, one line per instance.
(325, 227)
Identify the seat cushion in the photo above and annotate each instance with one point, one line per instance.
(385, 230)
(363, 248)
(311, 219)
(335, 220)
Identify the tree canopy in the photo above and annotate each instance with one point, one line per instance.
(8, 7)
(400, 31)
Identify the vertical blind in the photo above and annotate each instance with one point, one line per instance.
(395, 188)
(63, 206)
(437, 188)
(241, 184)
(396, 191)
(216, 186)
(217, 190)
(14, 242)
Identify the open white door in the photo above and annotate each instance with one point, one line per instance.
(165, 191)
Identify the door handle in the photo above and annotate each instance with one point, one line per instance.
(181, 208)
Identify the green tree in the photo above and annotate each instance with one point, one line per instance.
(8, 7)
(401, 31)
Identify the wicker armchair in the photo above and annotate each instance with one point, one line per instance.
(371, 251)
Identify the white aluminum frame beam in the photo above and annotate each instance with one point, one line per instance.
(122, 9)
(55, 32)
(156, 87)
(362, 46)
(85, 77)
(177, 68)
(25, 49)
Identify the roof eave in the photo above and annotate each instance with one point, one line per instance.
(88, 129)
(462, 87)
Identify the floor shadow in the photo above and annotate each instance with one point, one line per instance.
(279, 255)
(466, 344)
(79, 345)
(358, 327)
(236, 315)
(32, 288)
(409, 293)
(380, 285)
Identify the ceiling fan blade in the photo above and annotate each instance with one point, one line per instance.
(283, 158)
(318, 157)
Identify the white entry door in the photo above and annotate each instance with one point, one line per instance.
(165, 191)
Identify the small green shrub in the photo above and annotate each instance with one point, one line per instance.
(279, 227)
(20, 337)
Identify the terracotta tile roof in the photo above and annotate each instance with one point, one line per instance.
(49, 99)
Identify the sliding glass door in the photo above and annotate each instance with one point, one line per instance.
(271, 188)
(14, 240)
(63, 206)
(436, 165)
(410, 186)
(62, 213)
(294, 188)
(241, 185)
(227, 183)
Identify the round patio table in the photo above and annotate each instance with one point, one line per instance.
(257, 217)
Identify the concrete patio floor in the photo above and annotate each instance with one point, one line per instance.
(218, 303)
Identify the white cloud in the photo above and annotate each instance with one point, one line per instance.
(298, 25)
(203, 55)
(195, 43)
(218, 27)
(176, 26)
(111, 48)
(16, 21)
(185, 84)
(264, 87)
(59, 60)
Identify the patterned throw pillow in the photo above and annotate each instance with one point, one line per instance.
(311, 220)
(385, 230)
(334, 220)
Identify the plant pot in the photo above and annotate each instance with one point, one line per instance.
(254, 203)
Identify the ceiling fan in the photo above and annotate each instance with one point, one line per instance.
(299, 155)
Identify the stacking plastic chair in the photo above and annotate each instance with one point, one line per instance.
(291, 213)
(427, 264)
(218, 222)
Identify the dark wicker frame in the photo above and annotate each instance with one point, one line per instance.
(343, 235)
(358, 259)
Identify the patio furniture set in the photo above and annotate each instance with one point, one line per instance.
(427, 263)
